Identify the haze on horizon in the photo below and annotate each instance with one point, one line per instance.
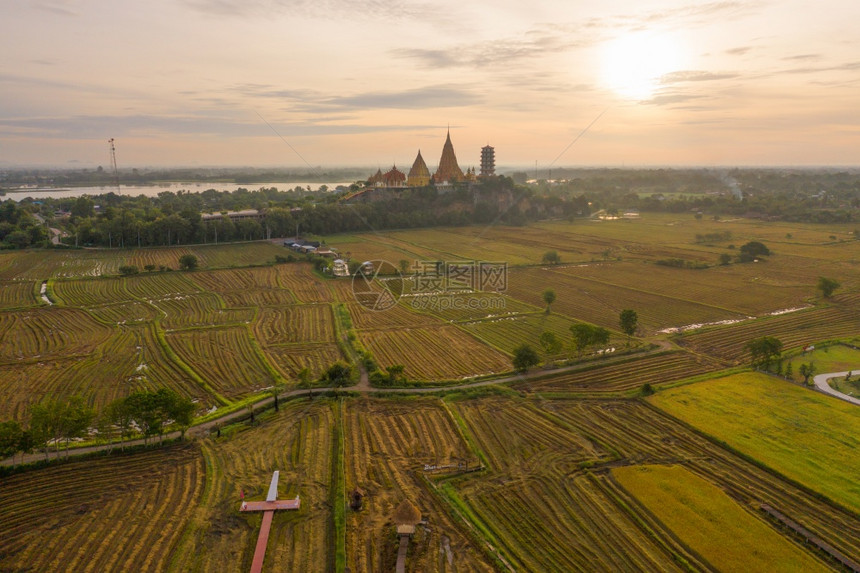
(211, 82)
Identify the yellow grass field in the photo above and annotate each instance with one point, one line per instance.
(806, 436)
(709, 521)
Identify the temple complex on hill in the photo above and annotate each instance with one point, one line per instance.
(381, 185)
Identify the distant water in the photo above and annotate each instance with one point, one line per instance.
(155, 189)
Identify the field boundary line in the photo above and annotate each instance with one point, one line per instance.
(665, 538)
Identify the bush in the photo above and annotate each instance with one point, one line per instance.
(127, 270)
(188, 262)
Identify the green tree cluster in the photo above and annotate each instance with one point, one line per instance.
(19, 228)
(56, 421)
(524, 358)
(585, 335)
(827, 286)
(763, 351)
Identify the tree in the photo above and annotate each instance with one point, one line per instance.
(10, 438)
(752, 251)
(550, 342)
(188, 262)
(395, 374)
(629, 321)
(180, 409)
(338, 375)
(827, 286)
(275, 390)
(75, 419)
(763, 351)
(151, 411)
(581, 336)
(304, 377)
(807, 370)
(549, 298)
(588, 335)
(127, 270)
(599, 336)
(41, 426)
(551, 258)
(725, 259)
(524, 358)
(118, 414)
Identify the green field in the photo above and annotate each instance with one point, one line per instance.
(806, 436)
(836, 358)
(709, 521)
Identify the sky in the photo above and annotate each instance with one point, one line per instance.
(548, 83)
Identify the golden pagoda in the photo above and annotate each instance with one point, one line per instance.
(419, 175)
(449, 171)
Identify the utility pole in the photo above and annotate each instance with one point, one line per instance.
(113, 165)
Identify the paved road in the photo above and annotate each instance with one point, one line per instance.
(821, 382)
(363, 387)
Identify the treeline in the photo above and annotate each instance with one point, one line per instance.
(814, 196)
(19, 228)
(53, 422)
(112, 220)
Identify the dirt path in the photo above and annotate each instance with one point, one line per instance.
(822, 383)
(363, 386)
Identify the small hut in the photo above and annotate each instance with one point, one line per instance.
(406, 517)
(355, 498)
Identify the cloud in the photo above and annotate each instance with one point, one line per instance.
(671, 98)
(58, 7)
(326, 9)
(695, 76)
(846, 67)
(803, 57)
(309, 101)
(103, 127)
(739, 51)
(484, 55)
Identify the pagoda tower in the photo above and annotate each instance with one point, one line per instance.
(488, 161)
(448, 170)
(419, 175)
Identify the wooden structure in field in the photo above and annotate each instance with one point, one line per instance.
(406, 517)
(268, 507)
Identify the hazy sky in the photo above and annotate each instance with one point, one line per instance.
(351, 82)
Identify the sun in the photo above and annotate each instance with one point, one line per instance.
(634, 63)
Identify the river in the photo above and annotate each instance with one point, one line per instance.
(154, 189)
